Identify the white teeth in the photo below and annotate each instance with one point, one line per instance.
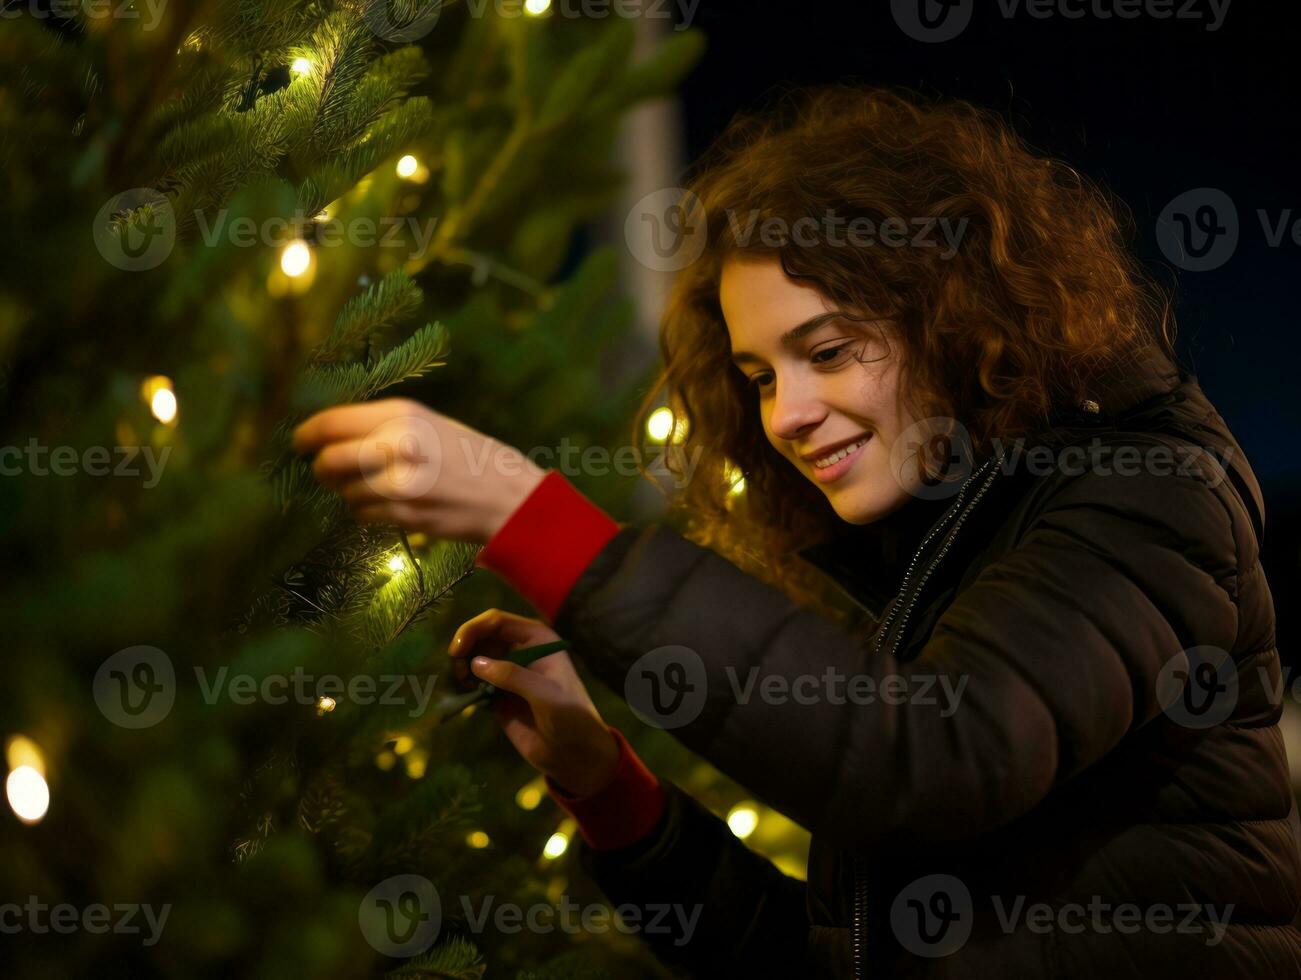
(840, 454)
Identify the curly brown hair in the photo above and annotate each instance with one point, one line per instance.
(1040, 296)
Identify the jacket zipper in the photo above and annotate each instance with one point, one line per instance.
(955, 516)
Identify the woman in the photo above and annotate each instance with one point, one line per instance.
(1050, 749)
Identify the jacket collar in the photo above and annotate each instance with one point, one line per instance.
(868, 561)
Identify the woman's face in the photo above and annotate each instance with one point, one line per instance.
(823, 384)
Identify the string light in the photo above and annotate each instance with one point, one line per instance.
(403, 744)
(163, 405)
(477, 839)
(26, 788)
(556, 845)
(734, 479)
(408, 166)
(415, 761)
(742, 819)
(158, 394)
(660, 424)
(530, 795)
(301, 66)
(536, 8)
(397, 564)
(324, 705)
(295, 258)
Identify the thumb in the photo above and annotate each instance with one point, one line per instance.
(528, 684)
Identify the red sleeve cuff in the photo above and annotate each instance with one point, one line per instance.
(547, 542)
(625, 811)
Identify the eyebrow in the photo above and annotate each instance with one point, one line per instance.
(791, 336)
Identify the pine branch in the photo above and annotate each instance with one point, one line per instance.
(365, 318)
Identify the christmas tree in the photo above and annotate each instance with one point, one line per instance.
(221, 754)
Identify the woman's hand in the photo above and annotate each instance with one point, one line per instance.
(553, 723)
(397, 462)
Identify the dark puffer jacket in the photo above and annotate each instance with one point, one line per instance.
(1107, 798)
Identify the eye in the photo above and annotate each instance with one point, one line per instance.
(757, 381)
(835, 351)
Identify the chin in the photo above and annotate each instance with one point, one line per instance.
(867, 503)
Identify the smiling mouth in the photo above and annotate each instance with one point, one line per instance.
(832, 458)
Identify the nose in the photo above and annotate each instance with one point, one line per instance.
(796, 410)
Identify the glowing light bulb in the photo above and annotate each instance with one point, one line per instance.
(403, 744)
(556, 845)
(660, 424)
(528, 797)
(295, 259)
(301, 66)
(742, 819)
(408, 166)
(536, 8)
(397, 563)
(477, 839)
(163, 405)
(29, 794)
(734, 479)
(324, 705)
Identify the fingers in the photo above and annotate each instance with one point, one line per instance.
(499, 626)
(347, 422)
(528, 684)
(349, 461)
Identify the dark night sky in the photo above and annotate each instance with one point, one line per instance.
(1149, 108)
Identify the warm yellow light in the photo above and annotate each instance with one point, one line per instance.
(28, 793)
(295, 259)
(734, 480)
(301, 66)
(408, 166)
(386, 760)
(477, 839)
(163, 405)
(556, 845)
(660, 424)
(22, 751)
(529, 797)
(742, 819)
(537, 7)
(397, 563)
(416, 760)
(324, 705)
(403, 744)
